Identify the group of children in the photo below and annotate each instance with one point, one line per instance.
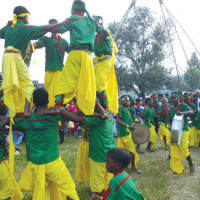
(164, 113)
(93, 89)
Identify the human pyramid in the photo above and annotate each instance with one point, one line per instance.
(94, 90)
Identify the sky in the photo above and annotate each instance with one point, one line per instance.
(185, 11)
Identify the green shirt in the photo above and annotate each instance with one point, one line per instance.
(20, 35)
(132, 111)
(101, 137)
(82, 31)
(198, 123)
(182, 107)
(125, 116)
(193, 117)
(102, 45)
(163, 117)
(149, 113)
(122, 187)
(41, 137)
(55, 52)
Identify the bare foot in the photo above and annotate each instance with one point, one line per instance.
(137, 171)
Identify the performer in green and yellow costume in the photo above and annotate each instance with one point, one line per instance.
(106, 81)
(148, 116)
(55, 48)
(163, 131)
(180, 152)
(77, 77)
(17, 85)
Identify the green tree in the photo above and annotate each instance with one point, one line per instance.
(140, 58)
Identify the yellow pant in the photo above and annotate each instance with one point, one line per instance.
(16, 84)
(8, 185)
(153, 136)
(77, 78)
(127, 143)
(51, 79)
(164, 131)
(106, 80)
(99, 176)
(49, 181)
(193, 136)
(178, 153)
(82, 173)
(198, 136)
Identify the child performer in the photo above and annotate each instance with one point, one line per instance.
(148, 117)
(163, 131)
(82, 173)
(50, 177)
(9, 190)
(193, 129)
(77, 77)
(55, 48)
(17, 85)
(106, 81)
(122, 185)
(124, 121)
(180, 152)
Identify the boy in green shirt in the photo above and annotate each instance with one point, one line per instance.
(198, 127)
(47, 167)
(124, 121)
(193, 129)
(104, 70)
(148, 116)
(122, 185)
(77, 77)
(163, 131)
(55, 48)
(180, 152)
(100, 132)
(16, 83)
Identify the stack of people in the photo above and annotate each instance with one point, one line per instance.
(90, 88)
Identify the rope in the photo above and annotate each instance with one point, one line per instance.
(195, 82)
(182, 29)
(124, 17)
(166, 25)
(161, 46)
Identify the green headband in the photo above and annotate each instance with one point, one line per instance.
(174, 95)
(132, 99)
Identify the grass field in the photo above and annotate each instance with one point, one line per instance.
(157, 182)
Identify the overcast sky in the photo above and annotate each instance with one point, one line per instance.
(186, 12)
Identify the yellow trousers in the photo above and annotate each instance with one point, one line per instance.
(153, 136)
(179, 153)
(106, 80)
(49, 181)
(8, 184)
(82, 173)
(16, 86)
(127, 143)
(99, 176)
(77, 78)
(164, 131)
(193, 136)
(50, 83)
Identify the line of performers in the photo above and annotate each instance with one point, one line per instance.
(94, 89)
